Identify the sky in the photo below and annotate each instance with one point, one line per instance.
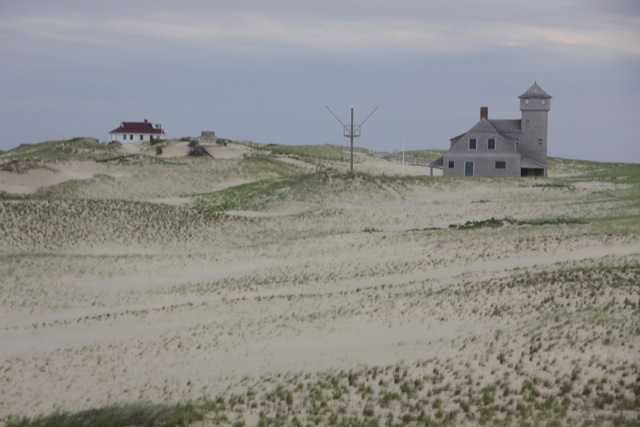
(265, 70)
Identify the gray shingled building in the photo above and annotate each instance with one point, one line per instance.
(502, 147)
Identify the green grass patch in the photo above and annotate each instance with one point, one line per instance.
(48, 224)
(495, 222)
(425, 154)
(136, 159)
(310, 153)
(555, 185)
(310, 189)
(548, 221)
(71, 149)
(485, 223)
(13, 196)
(264, 163)
(131, 415)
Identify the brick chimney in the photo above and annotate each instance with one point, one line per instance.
(484, 113)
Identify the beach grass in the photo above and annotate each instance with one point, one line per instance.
(63, 150)
(131, 414)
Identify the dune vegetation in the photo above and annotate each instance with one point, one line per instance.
(268, 286)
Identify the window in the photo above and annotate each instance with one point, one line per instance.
(130, 137)
(491, 144)
(540, 141)
(501, 165)
(141, 138)
(451, 164)
(472, 143)
(526, 101)
(124, 137)
(543, 101)
(517, 142)
(527, 123)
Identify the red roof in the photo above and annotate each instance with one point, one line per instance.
(138, 127)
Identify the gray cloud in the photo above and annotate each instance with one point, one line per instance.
(251, 31)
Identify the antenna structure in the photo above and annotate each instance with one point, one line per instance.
(351, 130)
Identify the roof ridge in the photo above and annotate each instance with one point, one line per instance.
(535, 91)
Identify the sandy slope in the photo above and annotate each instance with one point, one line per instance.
(96, 321)
(43, 176)
(180, 149)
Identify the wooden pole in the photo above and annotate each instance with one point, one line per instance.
(351, 137)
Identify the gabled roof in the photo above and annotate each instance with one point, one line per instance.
(504, 128)
(535, 91)
(483, 126)
(507, 126)
(457, 137)
(138, 127)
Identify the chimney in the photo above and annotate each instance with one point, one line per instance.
(484, 113)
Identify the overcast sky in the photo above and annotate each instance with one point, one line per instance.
(264, 70)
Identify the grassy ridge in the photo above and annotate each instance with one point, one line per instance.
(184, 178)
(142, 178)
(310, 153)
(313, 189)
(274, 185)
(57, 224)
(73, 149)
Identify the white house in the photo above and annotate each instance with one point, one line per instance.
(136, 132)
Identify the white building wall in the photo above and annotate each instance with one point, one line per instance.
(133, 137)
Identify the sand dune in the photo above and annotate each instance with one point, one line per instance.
(106, 299)
(42, 175)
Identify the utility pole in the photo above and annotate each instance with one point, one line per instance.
(351, 136)
(402, 174)
(352, 131)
